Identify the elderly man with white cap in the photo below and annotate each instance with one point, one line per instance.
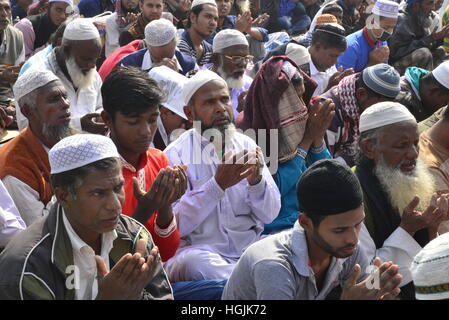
(161, 41)
(230, 194)
(37, 29)
(369, 46)
(402, 210)
(24, 167)
(351, 97)
(201, 23)
(230, 58)
(425, 92)
(85, 248)
(74, 63)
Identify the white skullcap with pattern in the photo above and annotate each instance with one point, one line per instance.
(159, 33)
(227, 38)
(79, 150)
(31, 80)
(200, 2)
(81, 29)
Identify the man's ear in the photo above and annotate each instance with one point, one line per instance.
(107, 118)
(361, 95)
(63, 197)
(368, 148)
(188, 112)
(26, 110)
(305, 222)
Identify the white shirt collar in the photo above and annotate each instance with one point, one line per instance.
(107, 238)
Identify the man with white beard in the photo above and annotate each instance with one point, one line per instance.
(402, 210)
(24, 166)
(230, 58)
(230, 194)
(74, 64)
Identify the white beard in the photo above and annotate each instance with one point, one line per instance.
(233, 83)
(244, 5)
(79, 79)
(401, 188)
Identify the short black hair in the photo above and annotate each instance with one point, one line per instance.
(196, 11)
(130, 91)
(330, 36)
(332, 8)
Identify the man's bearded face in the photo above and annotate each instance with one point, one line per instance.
(402, 187)
(79, 78)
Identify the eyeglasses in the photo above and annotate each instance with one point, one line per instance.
(240, 59)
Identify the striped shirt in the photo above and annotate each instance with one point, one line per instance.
(186, 46)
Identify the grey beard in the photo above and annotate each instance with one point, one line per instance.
(57, 133)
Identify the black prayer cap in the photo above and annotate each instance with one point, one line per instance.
(328, 187)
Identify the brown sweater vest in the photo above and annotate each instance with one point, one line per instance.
(25, 158)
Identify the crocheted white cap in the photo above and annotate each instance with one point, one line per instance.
(441, 74)
(197, 81)
(81, 29)
(430, 270)
(228, 38)
(386, 8)
(159, 33)
(200, 2)
(79, 150)
(382, 114)
(69, 2)
(171, 83)
(31, 80)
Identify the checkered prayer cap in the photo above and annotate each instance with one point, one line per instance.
(31, 80)
(79, 150)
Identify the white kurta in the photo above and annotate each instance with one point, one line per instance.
(400, 248)
(226, 222)
(321, 78)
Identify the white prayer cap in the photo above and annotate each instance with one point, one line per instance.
(228, 38)
(298, 53)
(69, 2)
(200, 2)
(386, 8)
(31, 80)
(81, 29)
(79, 150)
(171, 83)
(197, 81)
(430, 270)
(382, 114)
(441, 74)
(159, 33)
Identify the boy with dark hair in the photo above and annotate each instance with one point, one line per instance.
(328, 43)
(151, 186)
(320, 253)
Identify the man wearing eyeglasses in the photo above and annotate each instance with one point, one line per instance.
(230, 58)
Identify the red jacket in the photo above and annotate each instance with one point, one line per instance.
(152, 162)
(114, 58)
